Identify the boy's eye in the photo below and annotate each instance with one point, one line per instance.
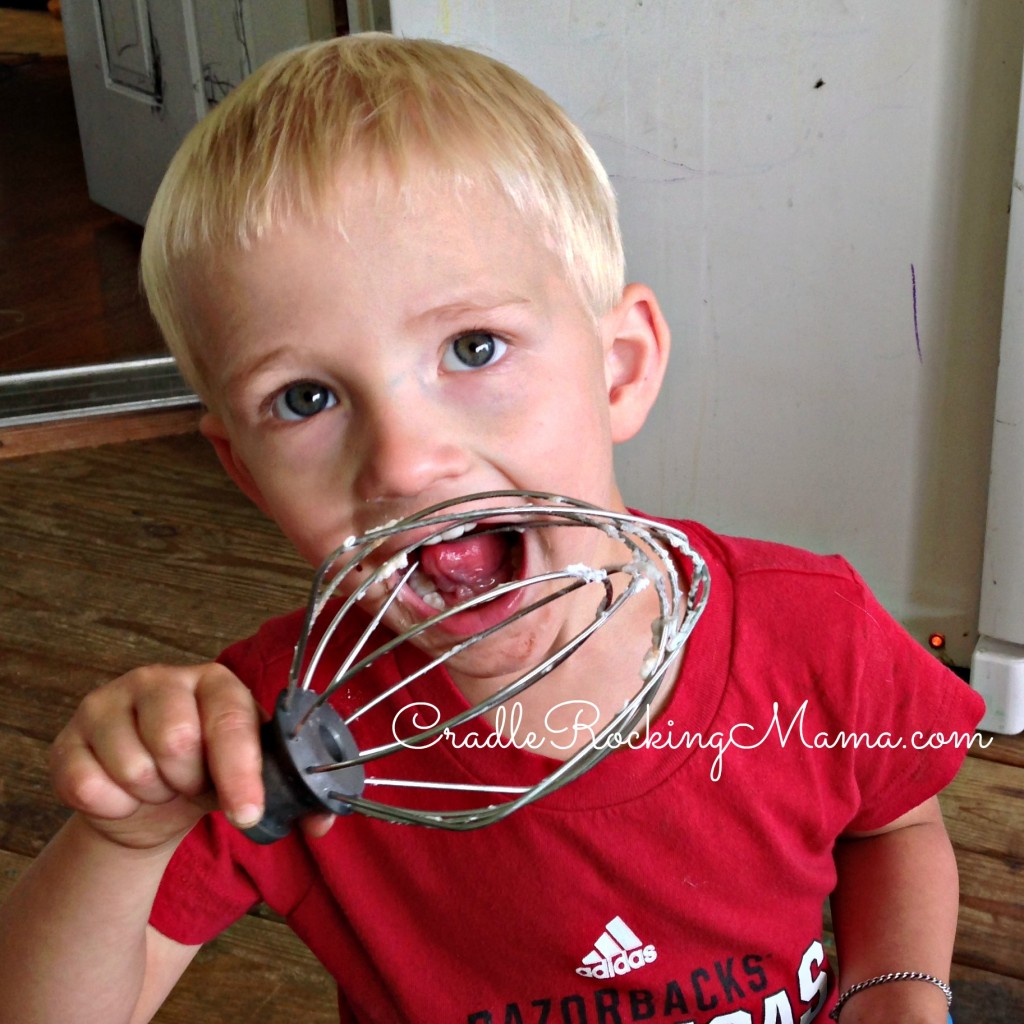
(302, 400)
(473, 350)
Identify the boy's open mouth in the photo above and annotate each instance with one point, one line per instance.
(454, 569)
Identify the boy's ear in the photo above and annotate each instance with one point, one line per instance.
(213, 429)
(637, 342)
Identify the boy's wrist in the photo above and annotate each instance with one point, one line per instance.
(906, 1001)
(117, 837)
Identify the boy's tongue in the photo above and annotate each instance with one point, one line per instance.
(467, 566)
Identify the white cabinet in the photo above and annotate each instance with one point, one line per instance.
(144, 71)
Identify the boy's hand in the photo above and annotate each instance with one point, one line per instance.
(145, 756)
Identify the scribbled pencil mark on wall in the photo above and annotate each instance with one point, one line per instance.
(238, 17)
(215, 88)
(913, 295)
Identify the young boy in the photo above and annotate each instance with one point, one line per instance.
(393, 272)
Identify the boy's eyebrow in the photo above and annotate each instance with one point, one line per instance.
(248, 369)
(469, 305)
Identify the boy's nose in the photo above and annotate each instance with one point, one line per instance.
(405, 454)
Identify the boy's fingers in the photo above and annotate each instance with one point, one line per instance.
(111, 735)
(81, 782)
(159, 733)
(170, 730)
(230, 722)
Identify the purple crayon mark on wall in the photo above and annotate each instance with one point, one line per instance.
(913, 294)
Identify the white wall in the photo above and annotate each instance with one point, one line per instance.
(778, 220)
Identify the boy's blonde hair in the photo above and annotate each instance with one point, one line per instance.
(273, 148)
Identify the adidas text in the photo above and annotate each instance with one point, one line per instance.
(621, 964)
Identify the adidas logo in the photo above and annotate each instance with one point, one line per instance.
(618, 951)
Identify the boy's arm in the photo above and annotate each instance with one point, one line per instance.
(895, 909)
(75, 945)
(138, 762)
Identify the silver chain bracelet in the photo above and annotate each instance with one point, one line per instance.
(882, 979)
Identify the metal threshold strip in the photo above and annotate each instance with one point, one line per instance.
(103, 389)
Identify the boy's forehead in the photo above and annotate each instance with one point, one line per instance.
(490, 250)
(422, 192)
(429, 246)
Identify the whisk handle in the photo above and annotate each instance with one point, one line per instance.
(300, 737)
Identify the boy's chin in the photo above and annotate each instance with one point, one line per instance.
(487, 666)
(510, 651)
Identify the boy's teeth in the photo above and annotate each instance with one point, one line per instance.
(422, 584)
(453, 534)
(399, 562)
(424, 587)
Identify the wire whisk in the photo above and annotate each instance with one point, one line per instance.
(312, 761)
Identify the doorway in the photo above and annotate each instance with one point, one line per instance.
(76, 338)
(70, 303)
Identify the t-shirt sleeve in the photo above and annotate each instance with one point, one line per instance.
(913, 719)
(203, 891)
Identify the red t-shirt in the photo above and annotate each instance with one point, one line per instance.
(681, 880)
